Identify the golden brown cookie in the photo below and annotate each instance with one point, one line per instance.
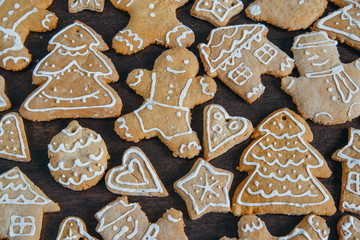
(348, 228)
(73, 79)
(287, 14)
(349, 156)
(151, 22)
(17, 19)
(13, 141)
(73, 228)
(4, 100)
(312, 227)
(283, 169)
(22, 205)
(79, 5)
(239, 55)
(342, 25)
(78, 157)
(122, 220)
(217, 12)
(327, 90)
(222, 132)
(135, 177)
(205, 189)
(170, 91)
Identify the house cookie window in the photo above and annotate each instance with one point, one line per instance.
(353, 183)
(240, 74)
(266, 53)
(22, 226)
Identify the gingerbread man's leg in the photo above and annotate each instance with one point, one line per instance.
(128, 128)
(131, 40)
(184, 146)
(178, 35)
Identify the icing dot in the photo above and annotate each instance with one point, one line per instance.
(337, 23)
(11, 12)
(70, 91)
(299, 186)
(178, 114)
(5, 19)
(63, 176)
(81, 35)
(75, 174)
(209, 196)
(14, 149)
(270, 185)
(186, 61)
(85, 88)
(16, 5)
(279, 171)
(256, 183)
(255, 10)
(268, 154)
(200, 178)
(115, 228)
(307, 53)
(73, 41)
(267, 139)
(325, 232)
(218, 187)
(324, 51)
(129, 219)
(150, 107)
(347, 28)
(274, 123)
(279, 155)
(312, 186)
(264, 168)
(217, 116)
(206, 4)
(308, 156)
(65, 36)
(152, 14)
(170, 92)
(330, 89)
(167, 97)
(171, 85)
(90, 169)
(151, 6)
(53, 65)
(284, 187)
(212, 178)
(169, 58)
(294, 171)
(219, 10)
(317, 224)
(54, 89)
(197, 191)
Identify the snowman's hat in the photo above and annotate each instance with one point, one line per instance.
(313, 39)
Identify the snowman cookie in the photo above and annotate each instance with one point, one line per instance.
(217, 12)
(151, 22)
(327, 90)
(222, 132)
(170, 91)
(78, 157)
(287, 14)
(18, 18)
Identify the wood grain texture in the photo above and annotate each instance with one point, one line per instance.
(85, 204)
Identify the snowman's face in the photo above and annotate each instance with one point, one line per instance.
(316, 58)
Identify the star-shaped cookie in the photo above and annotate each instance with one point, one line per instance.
(205, 189)
(151, 22)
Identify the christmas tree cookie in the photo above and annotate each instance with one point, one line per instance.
(73, 228)
(135, 177)
(217, 12)
(17, 19)
(13, 141)
(343, 24)
(122, 220)
(312, 227)
(151, 22)
(73, 79)
(283, 169)
(287, 14)
(222, 132)
(170, 91)
(327, 90)
(78, 157)
(205, 189)
(4, 100)
(79, 5)
(238, 55)
(349, 156)
(349, 228)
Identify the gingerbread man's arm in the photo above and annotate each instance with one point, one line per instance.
(201, 90)
(139, 80)
(42, 21)
(123, 5)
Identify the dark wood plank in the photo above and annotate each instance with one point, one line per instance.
(85, 204)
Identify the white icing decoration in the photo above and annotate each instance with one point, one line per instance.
(206, 187)
(138, 77)
(130, 34)
(126, 168)
(324, 113)
(174, 220)
(350, 161)
(275, 193)
(189, 146)
(169, 69)
(123, 125)
(49, 75)
(287, 63)
(204, 86)
(255, 10)
(266, 51)
(83, 178)
(346, 228)
(45, 20)
(20, 224)
(299, 44)
(253, 227)
(152, 232)
(80, 229)
(255, 90)
(182, 36)
(217, 4)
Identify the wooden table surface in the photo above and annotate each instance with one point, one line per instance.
(86, 203)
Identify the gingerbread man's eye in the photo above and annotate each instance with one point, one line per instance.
(186, 61)
(169, 58)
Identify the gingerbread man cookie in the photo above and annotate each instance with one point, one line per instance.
(287, 14)
(73, 78)
(151, 21)
(327, 90)
(17, 19)
(218, 12)
(79, 5)
(170, 91)
(239, 55)
(312, 227)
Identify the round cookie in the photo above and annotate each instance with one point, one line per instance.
(78, 157)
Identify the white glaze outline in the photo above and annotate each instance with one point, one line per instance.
(80, 225)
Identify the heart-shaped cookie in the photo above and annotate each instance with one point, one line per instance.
(222, 132)
(13, 142)
(135, 177)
